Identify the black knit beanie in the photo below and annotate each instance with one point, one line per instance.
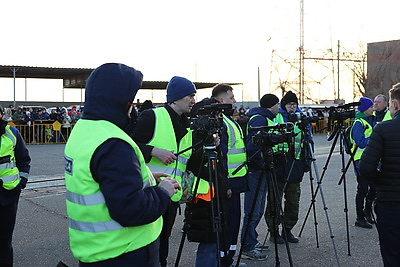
(289, 97)
(268, 100)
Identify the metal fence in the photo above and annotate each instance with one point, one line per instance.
(44, 131)
(54, 132)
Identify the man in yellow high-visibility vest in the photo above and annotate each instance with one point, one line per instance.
(163, 132)
(233, 157)
(14, 171)
(381, 110)
(114, 204)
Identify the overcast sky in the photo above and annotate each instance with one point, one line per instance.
(216, 41)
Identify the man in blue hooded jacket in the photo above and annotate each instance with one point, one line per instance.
(113, 203)
(259, 116)
(360, 133)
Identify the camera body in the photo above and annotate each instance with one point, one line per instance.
(302, 118)
(342, 112)
(264, 139)
(338, 114)
(341, 115)
(269, 136)
(208, 119)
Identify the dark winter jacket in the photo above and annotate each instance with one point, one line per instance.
(383, 148)
(253, 152)
(114, 164)
(23, 161)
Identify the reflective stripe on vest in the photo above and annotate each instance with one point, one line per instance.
(236, 148)
(90, 200)
(164, 138)
(8, 165)
(9, 173)
(367, 133)
(94, 235)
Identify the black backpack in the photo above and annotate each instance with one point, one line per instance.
(347, 141)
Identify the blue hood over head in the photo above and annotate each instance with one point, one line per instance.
(109, 90)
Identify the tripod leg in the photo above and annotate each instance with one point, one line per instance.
(277, 198)
(178, 257)
(271, 211)
(308, 148)
(326, 211)
(315, 213)
(343, 178)
(319, 180)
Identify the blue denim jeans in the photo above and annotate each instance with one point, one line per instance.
(250, 240)
(206, 255)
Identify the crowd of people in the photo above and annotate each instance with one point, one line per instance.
(125, 189)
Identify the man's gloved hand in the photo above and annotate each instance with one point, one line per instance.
(23, 182)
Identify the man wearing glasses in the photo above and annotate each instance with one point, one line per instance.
(290, 169)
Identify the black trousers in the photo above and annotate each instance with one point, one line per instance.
(388, 225)
(365, 193)
(168, 222)
(8, 214)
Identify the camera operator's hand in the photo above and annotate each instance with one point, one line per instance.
(165, 156)
(170, 185)
(229, 193)
(158, 175)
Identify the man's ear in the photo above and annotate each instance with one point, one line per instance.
(396, 104)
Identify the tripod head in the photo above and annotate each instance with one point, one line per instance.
(337, 116)
(269, 136)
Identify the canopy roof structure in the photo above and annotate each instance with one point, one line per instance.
(76, 77)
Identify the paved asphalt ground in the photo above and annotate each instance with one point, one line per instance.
(41, 235)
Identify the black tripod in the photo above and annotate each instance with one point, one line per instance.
(211, 155)
(276, 208)
(338, 134)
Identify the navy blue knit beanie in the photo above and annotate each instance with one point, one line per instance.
(179, 87)
(366, 103)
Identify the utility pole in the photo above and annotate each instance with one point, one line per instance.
(14, 70)
(338, 69)
(301, 51)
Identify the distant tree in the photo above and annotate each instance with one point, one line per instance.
(359, 70)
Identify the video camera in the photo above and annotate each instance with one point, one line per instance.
(208, 119)
(302, 118)
(340, 113)
(283, 133)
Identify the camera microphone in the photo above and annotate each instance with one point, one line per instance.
(352, 104)
(289, 126)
